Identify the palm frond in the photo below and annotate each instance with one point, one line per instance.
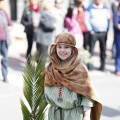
(40, 115)
(25, 111)
(33, 90)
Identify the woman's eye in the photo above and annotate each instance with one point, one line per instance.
(58, 46)
(66, 46)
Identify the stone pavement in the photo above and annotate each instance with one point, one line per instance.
(106, 83)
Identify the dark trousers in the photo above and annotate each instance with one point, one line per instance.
(86, 43)
(101, 36)
(30, 44)
(4, 60)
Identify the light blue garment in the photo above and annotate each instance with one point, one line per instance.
(4, 60)
(97, 18)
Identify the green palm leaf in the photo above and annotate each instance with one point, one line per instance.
(25, 111)
(33, 90)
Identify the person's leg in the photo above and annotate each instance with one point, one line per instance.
(102, 41)
(93, 38)
(117, 58)
(113, 50)
(30, 44)
(114, 47)
(4, 61)
(86, 40)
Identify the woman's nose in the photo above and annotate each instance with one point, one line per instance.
(62, 49)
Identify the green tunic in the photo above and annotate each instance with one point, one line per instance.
(71, 108)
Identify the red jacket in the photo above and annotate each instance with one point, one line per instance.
(81, 17)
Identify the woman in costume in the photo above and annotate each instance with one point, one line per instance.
(68, 87)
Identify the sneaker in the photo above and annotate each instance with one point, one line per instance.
(5, 79)
(117, 73)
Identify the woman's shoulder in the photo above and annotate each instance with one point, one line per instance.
(46, 13)
(27, 8)
(68, 20)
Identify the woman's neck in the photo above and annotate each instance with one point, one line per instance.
(61, 62)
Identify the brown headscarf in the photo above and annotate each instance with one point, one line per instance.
(73, 74)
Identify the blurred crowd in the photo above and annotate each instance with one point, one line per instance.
(88, 22)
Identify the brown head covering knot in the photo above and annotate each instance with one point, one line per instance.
(73, 74)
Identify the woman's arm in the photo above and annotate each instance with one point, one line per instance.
(9, 21)
(24, 19)
(69, 24)
(70, 21)
(74, 14)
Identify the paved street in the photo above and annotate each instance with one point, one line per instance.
(106, 83)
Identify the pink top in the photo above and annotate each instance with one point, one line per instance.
(72, 24)
(74, 28)
(5, 21)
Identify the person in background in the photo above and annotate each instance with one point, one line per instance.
(68, 87)
(5, 26)
(45, 30)
(81, 20)
(116, 25)
(114, 5)
(59, 15)
(30, 19)
(97, 19)
(72, 25)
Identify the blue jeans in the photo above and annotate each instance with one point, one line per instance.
(4, 60)
(117, 58)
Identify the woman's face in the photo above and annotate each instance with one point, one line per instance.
(35, 2)
(1, 5)
(63, 51)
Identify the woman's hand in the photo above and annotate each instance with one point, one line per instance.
(75, 11)
(86, 118)
(118, 26)
(86, 115)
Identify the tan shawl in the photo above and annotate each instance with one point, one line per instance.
(74, 75)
